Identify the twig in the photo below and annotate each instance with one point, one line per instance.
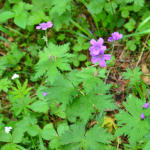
(142, 51)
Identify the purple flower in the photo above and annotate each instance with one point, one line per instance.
(142, 116)
(110, 39)
(115, 37)
(44, 26)
(101, 57)
(146, 105)
(97, 46)
(44, 94)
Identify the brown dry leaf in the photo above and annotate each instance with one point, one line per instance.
(145, 72)
(7, 44)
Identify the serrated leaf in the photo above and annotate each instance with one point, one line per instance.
(49, 133)
(132, 122)
(39, 106)
(4, 137)
(96, 138)
(4, 84)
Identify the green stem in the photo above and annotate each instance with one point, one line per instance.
(46, 39)
(33, 142)
(112, 48)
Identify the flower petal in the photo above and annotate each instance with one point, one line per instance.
(100, 41)
(146, 105)
(96, 51)
(95, 60)
(44, 94)
(44, 28)
(91, 48)
(102, 50)
(106, 57)
(102, 62)
(93, 42)
(49, 24)
(110, 39)
(142, 116)
(38, 27)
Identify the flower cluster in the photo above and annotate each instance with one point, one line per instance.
(44, 26)
(97, 49)
(146, 105)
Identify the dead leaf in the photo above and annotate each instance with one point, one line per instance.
(145, 72)
(7, 44)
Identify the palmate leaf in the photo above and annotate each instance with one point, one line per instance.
(84, 105)
(51, 59)
(61, 91)
(90, 77)
(4, 84)
(131, 122)
(94, 139)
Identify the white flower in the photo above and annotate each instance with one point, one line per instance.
(7, 129)
(15, 76)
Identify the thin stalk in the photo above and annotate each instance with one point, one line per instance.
(33, 142)
(46, 39)
(112, 48)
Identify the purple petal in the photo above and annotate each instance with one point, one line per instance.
(146, 105)
(100, 41)
(93, 42)
(142, 116)
(44, 94)
(92, 48)
(96, 51)
(38, 27)
(42, 24)
(49, 24)
(95, 60)
(102, 62)
(102, 50)
(110, 39)
(106, 57)
(44, 28)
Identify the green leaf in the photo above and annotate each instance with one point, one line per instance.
(125, 13)
(4, 137)
(17, 136)
(147, 146)
(132, 122)
(96, 138)
(6, 15)
(39, 106)
(28, 124)
(49, 133)
(130, 25)
(10, 145)
(77, 47)
(96, 6)
(51, 59)
(134, 75)
(62, 90)
(89, 77)
(35, 17)
(76, 62)
(82, 57)
(85, 104)
(5, 84)
(21, 20)
(60, 7)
